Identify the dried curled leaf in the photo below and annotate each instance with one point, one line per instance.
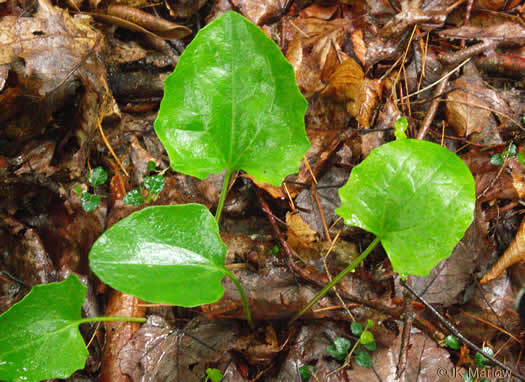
(514, 253)
(140, 21)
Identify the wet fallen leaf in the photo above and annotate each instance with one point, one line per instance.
(184, 8)
(313, 44)
(118, 334)
(259, 11)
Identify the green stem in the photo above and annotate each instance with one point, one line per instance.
(110, 318)
(224, 192)
(244, 300)
(337, 278)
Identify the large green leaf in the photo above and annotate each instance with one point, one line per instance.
(163, 254)
(39, 336)
(232, 103)
(417, 196)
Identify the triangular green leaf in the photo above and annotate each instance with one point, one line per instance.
(163, 254)
(39, 336)
(232, 103)
(417, 196)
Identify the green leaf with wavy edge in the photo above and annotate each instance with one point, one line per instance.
(89, 202)
(39, 334)
(416, 196)
(232, 103)
(98, 176)
(163, 254)
(154, 183)
(133, 198)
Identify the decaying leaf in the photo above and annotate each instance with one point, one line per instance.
(184, 8)
(313, 44)
(299, 233)
(466, 113)
(139, 21)
(514, 253)
(274, 191)
(118, 334)
(258, 11)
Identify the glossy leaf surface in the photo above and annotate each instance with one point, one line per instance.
(98, 176)
(40, 336)
(89, 202)
(154, 183)
(133, 198)
(232, 103)
(163, 254)
(416, 196)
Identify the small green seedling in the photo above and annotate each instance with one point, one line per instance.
(213, 375)
(400, 128)
(339, 349)
(306, 371)
(452, 342)
(342, 350)
(511, 151)
(417, 198)
(480, 359)
(89, 201)
(154, 184)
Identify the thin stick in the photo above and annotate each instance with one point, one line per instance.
(337, 278)
(456, 332)
(99, 125)
(244, 300)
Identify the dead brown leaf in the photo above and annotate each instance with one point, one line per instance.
(314, 46)
(514, 253)
(139, 21)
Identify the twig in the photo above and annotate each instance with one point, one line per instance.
(431, 112)
(408, 320)
(456, 332)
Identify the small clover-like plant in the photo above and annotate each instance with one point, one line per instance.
(418, 199)
(232, 103)
(342, 348)
(90, 201)
(153, 184)
(452, 342)
(213, 375)
(339, 349)
(306, 371)
(509, 152)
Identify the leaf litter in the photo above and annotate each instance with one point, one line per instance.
(360, 74)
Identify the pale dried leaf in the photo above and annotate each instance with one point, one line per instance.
(514, 253)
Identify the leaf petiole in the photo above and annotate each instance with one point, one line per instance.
(224, 192)
(244, 300)
(111, 318)
(337, 278)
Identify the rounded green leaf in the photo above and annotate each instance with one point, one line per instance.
(416, 196)
(133, 198)
(98, 176)
(89, 202)
(163, 254)
(154, 183)
(363, 359)
(233, 103)
(39, 335)
(452, 342)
